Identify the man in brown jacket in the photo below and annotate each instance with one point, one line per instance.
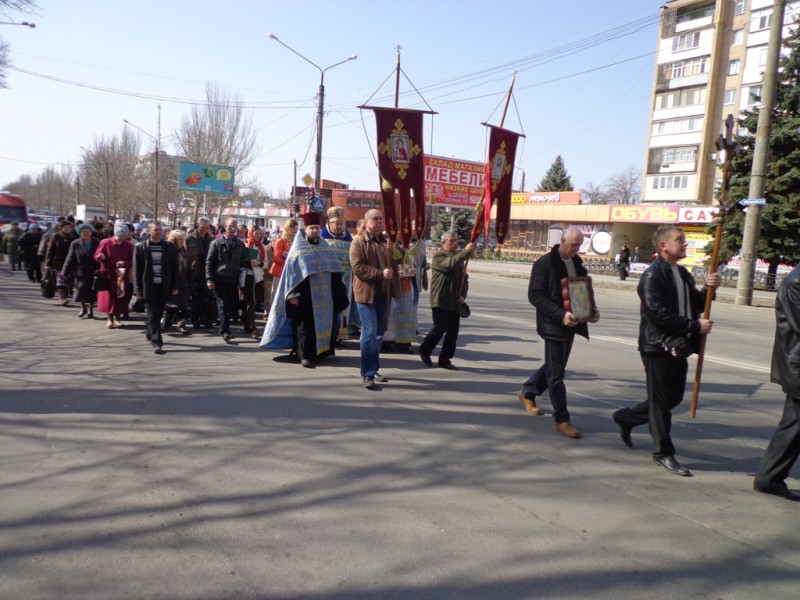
(373, 274)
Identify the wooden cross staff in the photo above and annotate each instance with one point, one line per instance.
(730, 147)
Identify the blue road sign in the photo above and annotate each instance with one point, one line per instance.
(752, 201)
(317, 204)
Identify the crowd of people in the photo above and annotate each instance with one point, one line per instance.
(322, 285)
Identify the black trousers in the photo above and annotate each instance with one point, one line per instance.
(154, 308)
(227, 304)
(445, 323)
(666, 382)
(202, 304)
(783, 448)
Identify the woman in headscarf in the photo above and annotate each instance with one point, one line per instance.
(179, 307)
(81, 266)
(253, 289)
(57, 251)
(115, 255)
(281, 248)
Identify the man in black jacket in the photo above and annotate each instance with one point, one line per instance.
(556, 326)
(203, 305)
(670, 311)
(784, 447)
(227, 256)
(155, 279)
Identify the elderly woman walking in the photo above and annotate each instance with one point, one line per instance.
(57, 251)
(81, 266)
(115, 255)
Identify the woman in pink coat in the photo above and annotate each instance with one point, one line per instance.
(115, 256)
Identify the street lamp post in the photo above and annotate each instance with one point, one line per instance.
(320, 107)
(158, 152)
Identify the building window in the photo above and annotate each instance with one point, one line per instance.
(762, 57)
(678, 125)
(739, 7)
(730, 97)
(733, 67)
(737, 37)
(692, 66)
(760, 19)
(678, 158)
(678, 98)
(686, 41)
(753, 95)
(671, 182)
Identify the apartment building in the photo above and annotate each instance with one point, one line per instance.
(710, 63)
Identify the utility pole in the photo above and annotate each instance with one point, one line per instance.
(752, 221)
(107, 195)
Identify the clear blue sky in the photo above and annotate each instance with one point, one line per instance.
(572, 98)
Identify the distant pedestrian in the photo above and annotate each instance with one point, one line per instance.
(115, 255)
(80, 267)
(28, 246)
(227, 259)
(155, 279)
(57, 251)
(784, 447)
(624, 262)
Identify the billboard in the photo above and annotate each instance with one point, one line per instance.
(452, 182)
(211, 179)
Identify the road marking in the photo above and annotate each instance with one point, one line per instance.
(628, 342)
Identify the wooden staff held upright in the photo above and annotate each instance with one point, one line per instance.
(731, 148)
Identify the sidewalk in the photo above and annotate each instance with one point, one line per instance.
(522, 270)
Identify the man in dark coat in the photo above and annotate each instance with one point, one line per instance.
(784, 447)
(29, 245)
(448, 291)
(670, 310)
(155, 279)
(197, 244)
(556, 326)
(227, 256)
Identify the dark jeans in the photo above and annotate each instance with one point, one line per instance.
(34, 269)
(550, 377)
(445, 323)
(666, 382)
(154, 308)
(783, 449)
(202, 303)
(373, 326)
(227, 303)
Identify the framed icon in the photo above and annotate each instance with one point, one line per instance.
(578, 297)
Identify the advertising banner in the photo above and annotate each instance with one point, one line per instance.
(454, 183)
(211, 179)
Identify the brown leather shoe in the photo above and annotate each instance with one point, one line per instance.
(567, 429)
(529, 404)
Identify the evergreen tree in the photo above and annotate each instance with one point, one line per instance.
(556, 179)
(779, 240)
(463, 225)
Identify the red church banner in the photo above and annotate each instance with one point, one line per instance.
(402, 171)
(499, 176)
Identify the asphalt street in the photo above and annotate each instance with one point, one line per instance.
(222, 471)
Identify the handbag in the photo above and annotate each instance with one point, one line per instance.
(136, 305)
(48, 284)
(679, 346)
(463, 310)
(100, 282)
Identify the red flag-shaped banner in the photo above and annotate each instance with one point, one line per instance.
(402, 171)
(499, 176)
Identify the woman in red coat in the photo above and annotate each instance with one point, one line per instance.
(115, 256)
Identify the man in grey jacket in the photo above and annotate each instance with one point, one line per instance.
(784, 447)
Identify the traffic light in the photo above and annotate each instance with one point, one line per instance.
(296, 208)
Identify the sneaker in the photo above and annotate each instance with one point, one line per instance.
(567, 429)
(380, 378)
(529, 404)
(369, 382)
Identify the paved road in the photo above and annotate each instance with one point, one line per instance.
(217, 472)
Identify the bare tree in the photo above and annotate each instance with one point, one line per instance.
(113, 175)
(219, 132)
(624, 187)
(7, 10)
(593, 194)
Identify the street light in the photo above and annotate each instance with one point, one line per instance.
(23, 23)
(158, 152)
(318, 159)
